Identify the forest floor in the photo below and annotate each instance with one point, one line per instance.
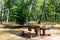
(15, 34)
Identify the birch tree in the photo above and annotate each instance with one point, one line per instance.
(2, 10)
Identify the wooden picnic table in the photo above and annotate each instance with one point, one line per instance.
(37, 28)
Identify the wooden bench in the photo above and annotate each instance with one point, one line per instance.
(43, 30)
(28, 32)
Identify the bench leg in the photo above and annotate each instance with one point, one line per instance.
(40, 31)
(23, 34)
(36, 31)
(29, 34)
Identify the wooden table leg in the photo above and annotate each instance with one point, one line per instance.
(40, 31)
(34, 29)
(37, 31)
(43, 32)
(29, 28)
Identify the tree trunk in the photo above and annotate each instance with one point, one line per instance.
(28, 18)
(8, 11)
(7, 16)
(54, 10)
(2, 10)
(43, 9)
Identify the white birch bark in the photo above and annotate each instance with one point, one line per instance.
(2, 10)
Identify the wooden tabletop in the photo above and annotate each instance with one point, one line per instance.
(38, 25)
(33, 25)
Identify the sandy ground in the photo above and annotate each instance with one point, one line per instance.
(14, 34)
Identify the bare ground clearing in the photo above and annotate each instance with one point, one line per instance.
(15, 34)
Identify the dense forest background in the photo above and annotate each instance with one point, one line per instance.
(23, 11)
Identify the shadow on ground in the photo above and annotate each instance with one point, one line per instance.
(21, 34)
(11, 26)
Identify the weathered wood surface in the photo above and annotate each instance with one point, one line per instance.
(39, 25)
(33, 25)
(53, 26)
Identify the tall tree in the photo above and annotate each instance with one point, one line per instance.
(43, 9)
(2, 4)
(8, 6)
(32, 1)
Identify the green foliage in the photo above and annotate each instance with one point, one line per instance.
(20, 10)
